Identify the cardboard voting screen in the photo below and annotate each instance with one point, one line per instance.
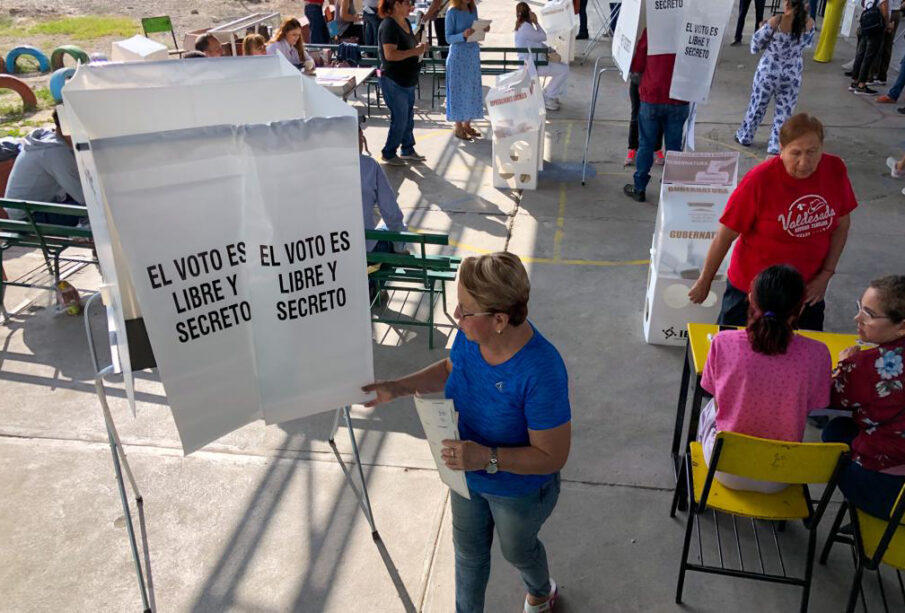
(626, 35)
(557, 16)
(228, 221)
(663, 19)
(700, 35)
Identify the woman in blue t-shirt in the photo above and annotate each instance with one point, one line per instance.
(510, 387)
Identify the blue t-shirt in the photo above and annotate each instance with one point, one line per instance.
(497, 405)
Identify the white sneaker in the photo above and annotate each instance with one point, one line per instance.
(551, 105)
(544, 607)
(891, 164)
(903, 191)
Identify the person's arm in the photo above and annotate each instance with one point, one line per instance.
(433, 10)
(66, 173)
(816, 288)
(392, 53)
(639, 60)
(715, 255)
(547, 453)
(451, 25)
(529, 35)
(764, 35)
(425, 381)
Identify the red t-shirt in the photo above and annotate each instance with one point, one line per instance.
(784, 220)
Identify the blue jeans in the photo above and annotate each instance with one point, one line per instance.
(317, 24)
(401, 102)
(896, 90)
(517, 522)
(871, 491)
(372, 23)
(654, 119)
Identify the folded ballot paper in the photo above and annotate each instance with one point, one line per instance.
(479, 26)
(441, 421)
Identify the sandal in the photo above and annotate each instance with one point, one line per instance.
(463, 135)
(547, 606)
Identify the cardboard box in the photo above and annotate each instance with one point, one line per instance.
(667, 309)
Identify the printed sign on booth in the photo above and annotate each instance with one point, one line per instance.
(626, 36)
(701, 35)
(663, 19)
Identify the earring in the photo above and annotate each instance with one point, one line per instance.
(500, 331)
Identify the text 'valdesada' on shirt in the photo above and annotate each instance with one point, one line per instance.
(497, 405)
(784, 220)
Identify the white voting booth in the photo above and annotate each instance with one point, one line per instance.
(693, 194)
(223, 231)
(560, 22)
(515, 106)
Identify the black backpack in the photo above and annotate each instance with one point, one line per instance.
(871, 19)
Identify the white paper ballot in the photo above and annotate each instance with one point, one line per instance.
(479, 26)
(440, 421)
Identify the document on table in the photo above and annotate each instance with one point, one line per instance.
(441, 421)
(479, 26)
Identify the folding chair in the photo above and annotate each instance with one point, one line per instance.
(874, 541)
(755, 458)
(162, 24)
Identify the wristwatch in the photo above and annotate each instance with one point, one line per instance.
(493, 464)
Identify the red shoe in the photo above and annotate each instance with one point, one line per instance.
(659, 159)
(630, 157)
(884, 99)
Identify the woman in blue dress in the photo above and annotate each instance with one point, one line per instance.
(778, 72)
(464, 100)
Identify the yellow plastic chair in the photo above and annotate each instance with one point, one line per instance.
(875, 541)
(756, 458)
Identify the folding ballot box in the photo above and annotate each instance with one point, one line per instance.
(227, 226)
(693, 194)
(139, 49)
(560, 22)
(515, 106)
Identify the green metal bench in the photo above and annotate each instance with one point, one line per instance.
(51, 239)
(494, 61)
(417, 272)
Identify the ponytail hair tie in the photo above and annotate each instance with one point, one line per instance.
(769, 314)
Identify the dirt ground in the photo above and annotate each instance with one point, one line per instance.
(185, 15)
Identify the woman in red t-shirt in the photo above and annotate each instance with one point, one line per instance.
(792, 209)
(870, 382)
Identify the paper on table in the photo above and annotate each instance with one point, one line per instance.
(440, 421)
(479, 26)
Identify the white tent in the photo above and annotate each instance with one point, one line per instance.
(225, 206)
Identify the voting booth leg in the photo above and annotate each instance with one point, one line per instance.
(606, 16)
(120, 462)
(598, 72)
(364, 501)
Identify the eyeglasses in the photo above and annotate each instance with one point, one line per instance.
(461, 313)
(870, 315)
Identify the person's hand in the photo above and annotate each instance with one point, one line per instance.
(421, 48)
(890, 26)
(849, 352)
(698, 292)
(385, 390)
(532, 17)
(816, 289)
(464, 455)
(468, 32)
(774, 21)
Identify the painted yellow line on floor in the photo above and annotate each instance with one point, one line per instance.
(561, 215)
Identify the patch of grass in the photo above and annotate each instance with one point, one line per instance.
(45, 98)
(88, 27)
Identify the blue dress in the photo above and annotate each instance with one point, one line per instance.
(778, 76)
(464, 96)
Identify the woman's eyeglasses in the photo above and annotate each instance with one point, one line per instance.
(461, 313)
(868, 314)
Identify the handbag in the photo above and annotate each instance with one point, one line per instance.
(871, 19)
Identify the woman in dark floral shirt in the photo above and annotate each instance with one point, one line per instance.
(870, 382)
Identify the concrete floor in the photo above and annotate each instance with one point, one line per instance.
(264, 519)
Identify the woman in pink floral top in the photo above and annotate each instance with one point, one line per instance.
(870, 382)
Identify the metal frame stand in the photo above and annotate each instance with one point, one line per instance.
(598, 72)
(603, 31)
(364, 501)
(121, 463)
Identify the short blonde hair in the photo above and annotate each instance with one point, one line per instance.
(499, 284)
(252, 42)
